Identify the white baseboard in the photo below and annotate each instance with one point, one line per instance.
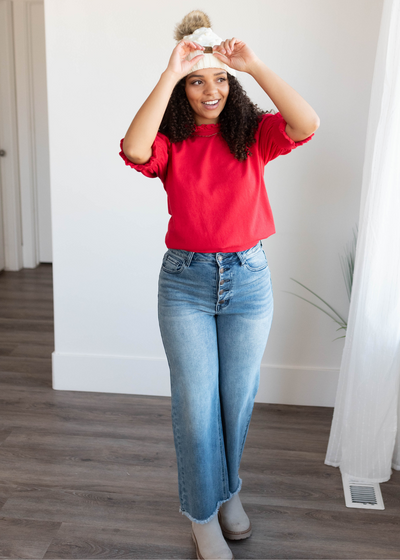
(111, 374)
(306, 386)
(150, 376)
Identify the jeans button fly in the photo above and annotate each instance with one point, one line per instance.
(221, 270)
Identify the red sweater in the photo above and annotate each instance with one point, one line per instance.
(216, 203)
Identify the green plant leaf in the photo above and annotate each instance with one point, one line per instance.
(343, 325)
(323, 301)
(347, 262)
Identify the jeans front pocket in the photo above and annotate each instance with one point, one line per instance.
(256, 261)
(172, 263)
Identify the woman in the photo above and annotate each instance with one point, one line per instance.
(208, 143)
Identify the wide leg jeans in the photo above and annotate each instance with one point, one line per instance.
(215, 312)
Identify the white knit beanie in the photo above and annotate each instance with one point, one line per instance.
(196, 26)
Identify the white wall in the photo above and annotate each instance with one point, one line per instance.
(109, 222)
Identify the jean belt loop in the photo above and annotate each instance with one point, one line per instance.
(241, 256)
(189, 257)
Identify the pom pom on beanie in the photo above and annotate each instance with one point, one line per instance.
(192, 21)
(196, 26)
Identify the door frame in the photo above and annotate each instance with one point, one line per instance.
(22, 19)
(10, 179)
(18, 173)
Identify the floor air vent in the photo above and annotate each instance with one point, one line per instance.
(362, 494)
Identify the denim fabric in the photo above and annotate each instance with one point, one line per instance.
(215, 312)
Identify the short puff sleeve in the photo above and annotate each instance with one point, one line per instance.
(158, 162)
(272, 137)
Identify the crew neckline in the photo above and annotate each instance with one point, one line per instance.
(207, 128)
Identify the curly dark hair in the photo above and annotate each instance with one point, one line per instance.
(239, 118)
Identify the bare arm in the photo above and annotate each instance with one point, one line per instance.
(143, 129)
(301, 119)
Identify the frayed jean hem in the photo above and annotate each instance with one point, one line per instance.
(216, 509)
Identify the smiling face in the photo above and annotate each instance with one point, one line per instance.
(203, 87)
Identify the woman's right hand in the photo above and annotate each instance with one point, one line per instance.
(177, 63)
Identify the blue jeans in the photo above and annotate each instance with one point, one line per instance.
(215, 312)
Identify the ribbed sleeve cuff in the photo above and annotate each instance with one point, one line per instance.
(141, 167)
(289, 141)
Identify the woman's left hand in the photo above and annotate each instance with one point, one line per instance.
(235, 53)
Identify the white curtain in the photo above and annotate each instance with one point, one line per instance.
(365, 433)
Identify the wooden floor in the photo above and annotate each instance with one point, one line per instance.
(93, 475)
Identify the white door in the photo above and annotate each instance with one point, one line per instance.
(10, 203)
(3, 70)
(22, 22)
(2, 256)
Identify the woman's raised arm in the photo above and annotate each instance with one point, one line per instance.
(143, 129)
(301, 119)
